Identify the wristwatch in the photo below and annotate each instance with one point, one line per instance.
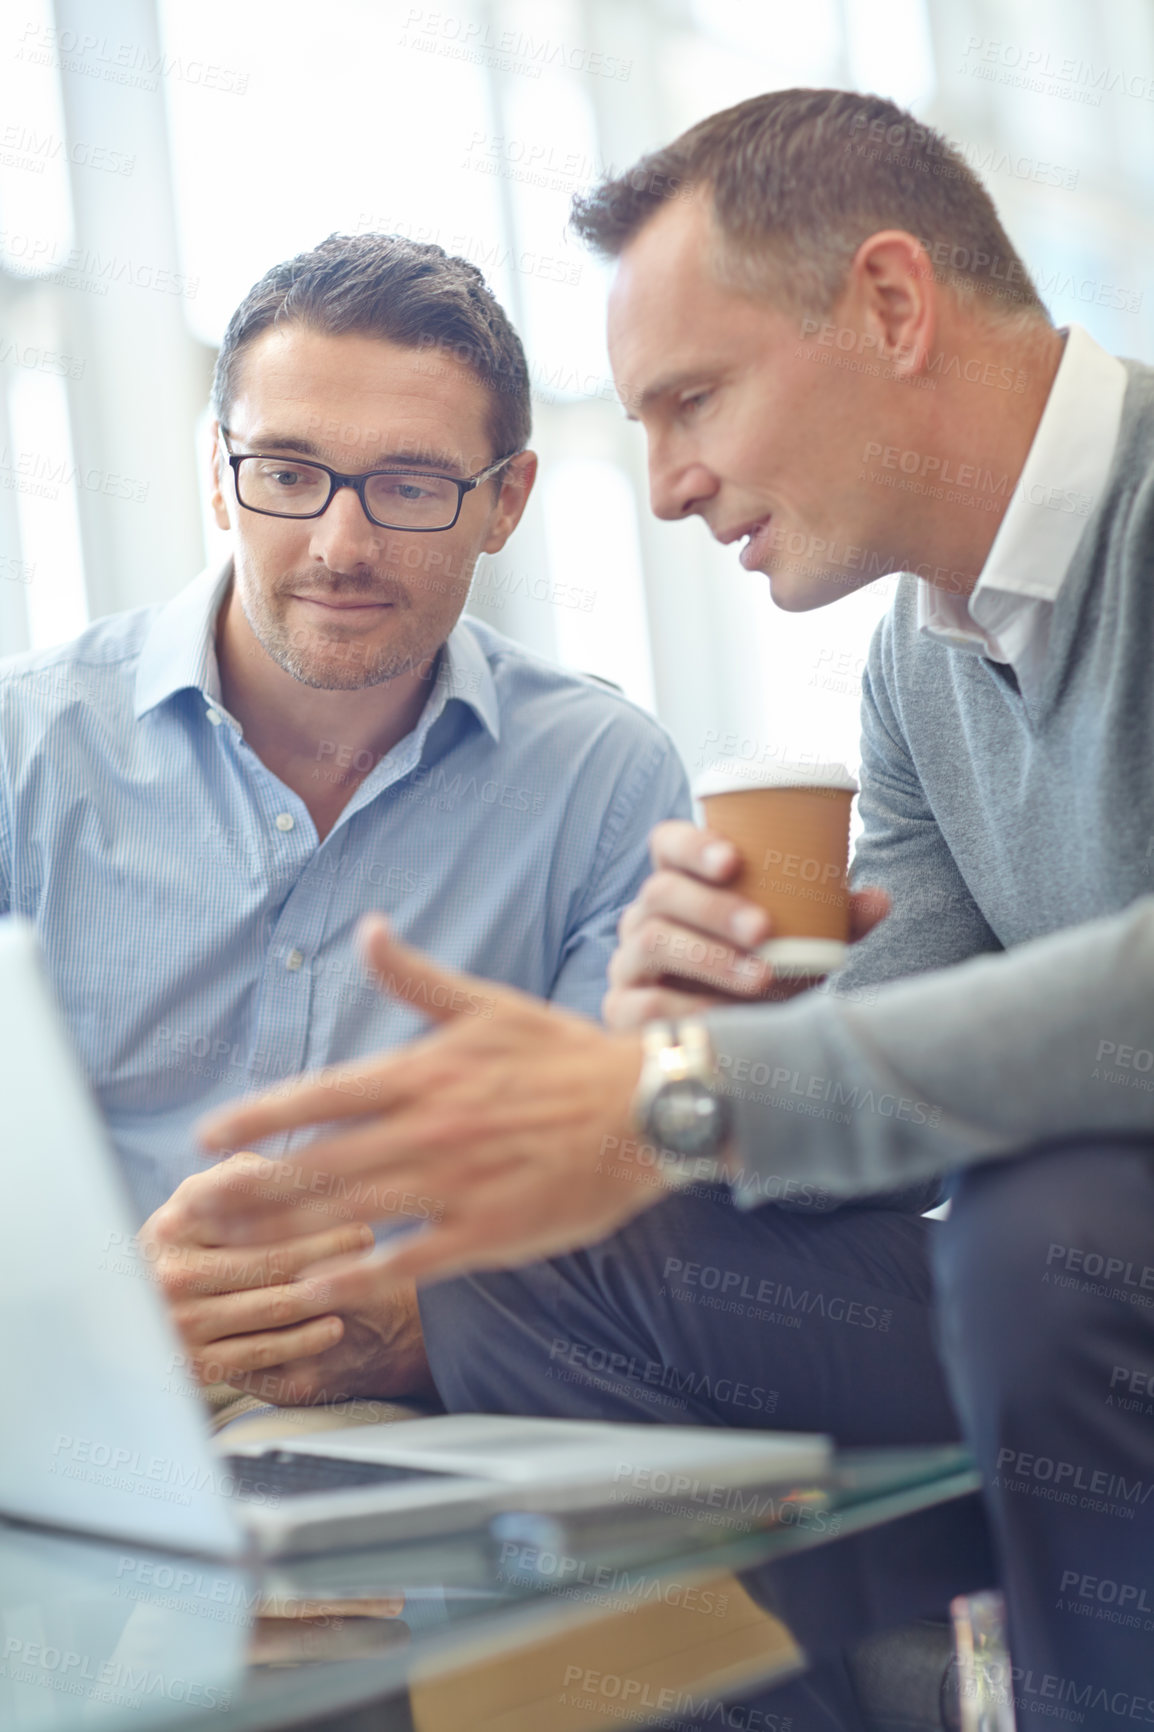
(678, 1106)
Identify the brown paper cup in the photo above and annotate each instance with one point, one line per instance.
(793, 838)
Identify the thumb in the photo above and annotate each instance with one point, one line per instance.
(408, 974)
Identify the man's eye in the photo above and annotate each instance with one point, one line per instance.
(286, 476)
(409, 491)
(689, 404)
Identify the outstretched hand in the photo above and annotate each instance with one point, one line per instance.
(505, 1134)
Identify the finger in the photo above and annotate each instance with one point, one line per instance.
(337, 1092)
(473, 1242)
(253, 1175)
(375, 1172)
(390, 1181)
(292, 1191)
(441, 1254)
(663, 951)
(438, 993)
(508, 1223)
(184, 1272)
(717, 914)
(687, 848)
(247, 1313)
(351, 1090)
(175, 1225)
(349, 1279)
(866, 909)
(226, 1361)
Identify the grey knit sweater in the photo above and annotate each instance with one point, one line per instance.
(1015, 832)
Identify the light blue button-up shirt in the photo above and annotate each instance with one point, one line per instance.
(201, 940)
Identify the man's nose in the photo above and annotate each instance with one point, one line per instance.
(343, 535)
(678, 489)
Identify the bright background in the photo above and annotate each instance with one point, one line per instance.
(156, 156)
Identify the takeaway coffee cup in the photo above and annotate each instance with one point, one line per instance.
(790, 824)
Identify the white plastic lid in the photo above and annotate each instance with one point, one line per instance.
(734, 776)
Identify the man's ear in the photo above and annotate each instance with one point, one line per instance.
(219, 479)
(893, 294)
(516, 485)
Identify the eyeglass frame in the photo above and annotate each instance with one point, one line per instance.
(358, 483)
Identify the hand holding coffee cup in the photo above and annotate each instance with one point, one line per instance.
(690, 940)
(790, 825)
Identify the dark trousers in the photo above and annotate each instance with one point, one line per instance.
(699, 1314)
(1046, 1280)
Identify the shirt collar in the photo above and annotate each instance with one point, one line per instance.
(179, 654)
(465, 673)
(1061, 485)
(180, 650)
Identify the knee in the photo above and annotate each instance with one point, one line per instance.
(1051, 1207)
(1002, 1212)
(1023, 1236)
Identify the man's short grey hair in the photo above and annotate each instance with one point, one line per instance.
(798, 179)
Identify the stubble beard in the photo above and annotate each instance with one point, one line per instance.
(329, 660)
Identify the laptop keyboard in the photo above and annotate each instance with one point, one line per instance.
(285, 1473)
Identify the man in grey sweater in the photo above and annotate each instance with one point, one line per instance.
(841, 359)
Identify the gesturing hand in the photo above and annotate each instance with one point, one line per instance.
(506, 1124)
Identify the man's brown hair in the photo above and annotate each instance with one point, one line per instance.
(799, 179)
(409, 292)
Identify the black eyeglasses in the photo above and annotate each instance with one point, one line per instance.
(391, 498)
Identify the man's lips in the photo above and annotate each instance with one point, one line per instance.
(730, 535)
(749, 527)
(334, 604)
(755, 528)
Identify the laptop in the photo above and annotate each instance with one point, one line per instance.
(103, 1432)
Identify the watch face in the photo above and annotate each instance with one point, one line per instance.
(686, 1118)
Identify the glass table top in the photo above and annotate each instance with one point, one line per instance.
(97, 1635)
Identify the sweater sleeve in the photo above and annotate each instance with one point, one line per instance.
(1052, 1039)
(934, 920)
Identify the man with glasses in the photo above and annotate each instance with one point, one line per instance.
(198, 801)
(390, 498)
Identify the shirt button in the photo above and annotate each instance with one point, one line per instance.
(214, 717)
(285, 820)
(293, 960)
